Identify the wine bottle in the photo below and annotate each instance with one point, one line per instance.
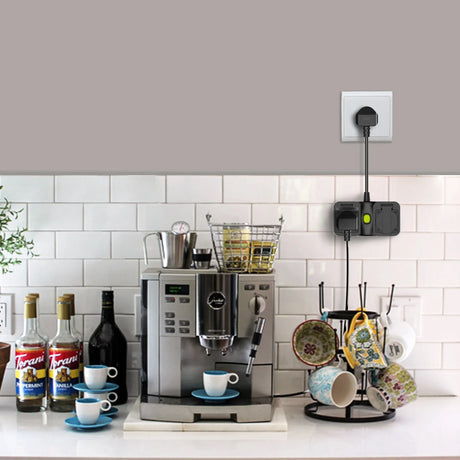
(107, 345)
(31, 363)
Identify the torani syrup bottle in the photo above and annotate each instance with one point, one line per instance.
(31, 384)
(64, 362)
(107, 345)
(75, 332)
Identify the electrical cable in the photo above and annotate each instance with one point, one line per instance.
(292, 394)
(346, 236)
(366, 132)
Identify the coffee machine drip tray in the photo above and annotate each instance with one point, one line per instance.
(189, 409)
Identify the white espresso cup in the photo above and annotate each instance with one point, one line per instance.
(112, 396)
(95, 375)
(89, 409)
(215, 382)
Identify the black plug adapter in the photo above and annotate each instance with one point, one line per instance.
(366, 116)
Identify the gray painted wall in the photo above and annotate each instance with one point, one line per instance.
(224, 86)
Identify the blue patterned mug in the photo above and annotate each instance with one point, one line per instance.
(333, 386)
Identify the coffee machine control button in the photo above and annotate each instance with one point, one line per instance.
(184, 330)
(170, 330)
(257, 304)
(170, 314)
(249, 287)
(170, 299)
(264, 287)
(184, 322)
(184, 299)
(170, 322)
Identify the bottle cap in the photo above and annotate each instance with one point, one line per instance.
(30, 307)
(107, 298)
(63, 308)
(71, 299)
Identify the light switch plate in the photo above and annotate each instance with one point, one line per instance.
(404, 308)
(381, 102)
(6, 314)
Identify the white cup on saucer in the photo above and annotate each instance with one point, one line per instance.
(95, 375)
(89, 409)
(215, 382)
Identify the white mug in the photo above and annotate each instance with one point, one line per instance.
(215, 382)
(400, 339)
(112, 396)
(95, 375)
(89, 409)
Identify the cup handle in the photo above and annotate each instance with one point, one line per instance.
(112, 397)
(105, 405)
(112, 372)
(233, 378)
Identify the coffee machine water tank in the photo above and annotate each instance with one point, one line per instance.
(217, 310)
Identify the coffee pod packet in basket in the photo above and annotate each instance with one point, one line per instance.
(361, 347)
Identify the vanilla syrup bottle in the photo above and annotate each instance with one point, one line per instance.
(30, 350)
(75, 332)
(64, 362)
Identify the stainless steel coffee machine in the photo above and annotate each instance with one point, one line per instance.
(198, 320)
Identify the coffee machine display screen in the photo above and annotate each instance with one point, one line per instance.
(177, 289)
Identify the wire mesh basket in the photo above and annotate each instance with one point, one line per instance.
(244, 248)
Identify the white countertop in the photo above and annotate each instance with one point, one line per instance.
(426, 428)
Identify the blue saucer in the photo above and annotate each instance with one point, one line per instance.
(101, 421)
(108, 387)
(229, 394)
(108, 413)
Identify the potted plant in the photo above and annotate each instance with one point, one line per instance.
(13, 244)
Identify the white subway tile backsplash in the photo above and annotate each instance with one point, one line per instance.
(452, 185)
(351, 188)
(82, 189)
(294, 215)
(43, 272)
(194, 189)
(111, 272)
(31, 189)
(307, 189)
(320, 217)
(417, 246)
(452, 301)
(385, 272)
(55, 216)
(90, 239)
(159, 217)
(290, 272)
(111, 216)
(363, 248)
(451, 356)
(444, 273)
(82, 245)
(137, 189)
(222, 213)
(333, 273)
(438, 218)
(453, 246)
(417, 190)
(302, 301)
(311, 245)
(252, 189)
(438, 382)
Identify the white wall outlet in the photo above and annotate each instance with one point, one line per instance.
(381, 102)
(404, 308)
(6, 314)
(137, 314)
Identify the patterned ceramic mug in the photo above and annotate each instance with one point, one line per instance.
(392, 388)
(315, 342)
(333, 386)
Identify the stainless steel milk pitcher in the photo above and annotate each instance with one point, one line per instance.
(173, 249)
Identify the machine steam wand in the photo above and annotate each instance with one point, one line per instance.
(256, 338)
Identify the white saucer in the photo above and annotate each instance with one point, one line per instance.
(101, 421)
(108, 387)
(229, 394)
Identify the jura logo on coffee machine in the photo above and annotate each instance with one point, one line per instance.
(216, 300)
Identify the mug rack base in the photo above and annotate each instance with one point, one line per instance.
(359, 411)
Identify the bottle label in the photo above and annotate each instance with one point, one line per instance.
(30, 373)
(63, 372)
